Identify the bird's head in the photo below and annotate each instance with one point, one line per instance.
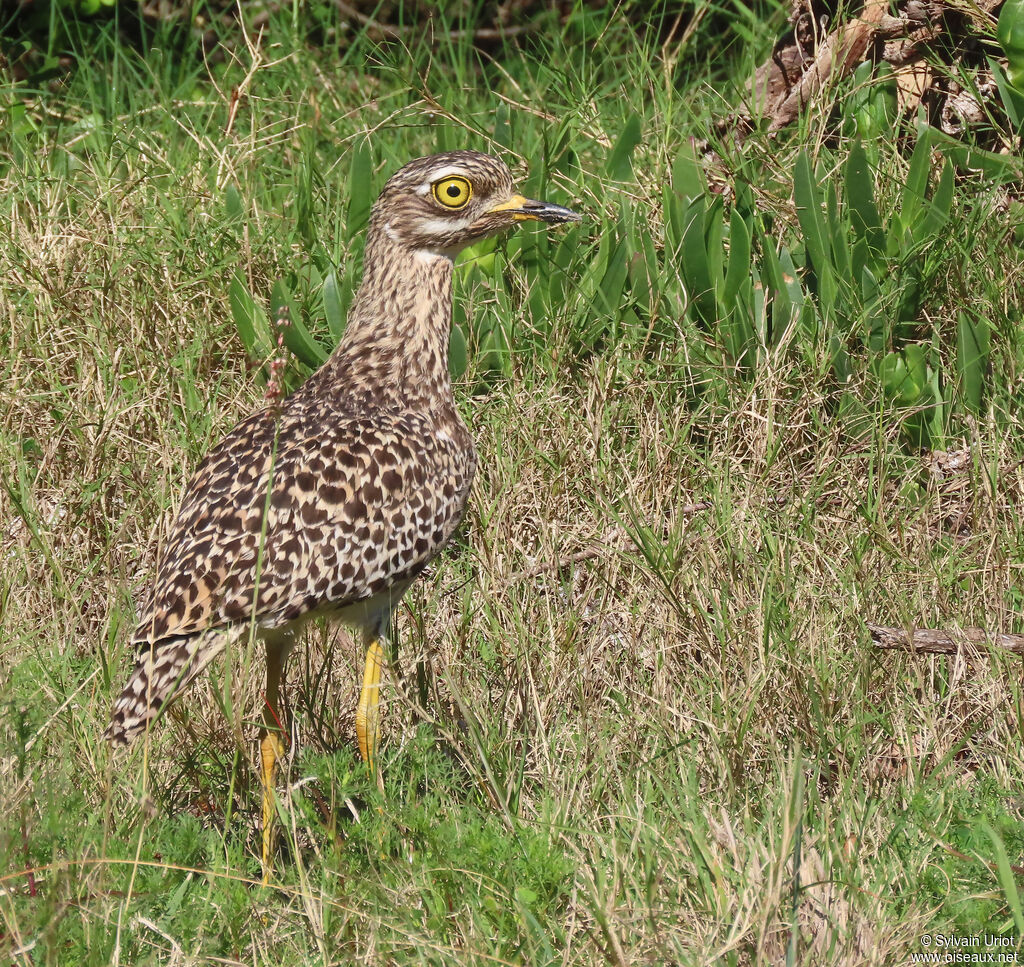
(442, 203)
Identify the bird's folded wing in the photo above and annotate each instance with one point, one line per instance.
(352, 510)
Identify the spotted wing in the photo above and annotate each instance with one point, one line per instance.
(296, 522)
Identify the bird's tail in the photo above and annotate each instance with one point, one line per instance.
(163, 670)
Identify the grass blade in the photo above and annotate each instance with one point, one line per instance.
(972, 355)
(360, 189)
(1005, 877)
(333, 310)
(860, 196)
(296, 336)
(620, 161)
(250, 319)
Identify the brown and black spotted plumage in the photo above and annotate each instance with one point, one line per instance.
(368, 465)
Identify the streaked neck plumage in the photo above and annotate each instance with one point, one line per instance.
(395, 346)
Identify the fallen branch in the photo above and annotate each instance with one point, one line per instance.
(934, 641)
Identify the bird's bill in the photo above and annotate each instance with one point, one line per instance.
(527, 210)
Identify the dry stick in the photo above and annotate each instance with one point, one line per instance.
(839, 53)
(934, 641)
(847, 45)
(953, 851)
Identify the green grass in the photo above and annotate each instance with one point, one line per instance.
(635, 716)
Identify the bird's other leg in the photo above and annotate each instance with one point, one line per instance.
(272, 734)
(368, 710)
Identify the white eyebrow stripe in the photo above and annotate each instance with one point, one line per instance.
(445, 173)
(441, 226)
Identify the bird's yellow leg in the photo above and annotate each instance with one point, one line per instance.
(271, 748)
(368, 711)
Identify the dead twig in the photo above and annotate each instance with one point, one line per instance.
(935, 641)
(838, 55)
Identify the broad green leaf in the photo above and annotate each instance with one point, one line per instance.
(860, 196)
(301, 342)
(296, 336)
(936, 212)
(999, 167)
(908, 305)
(905, 375)
(481, 254)
(808, 201)
(859, 258)
(458, 357)
(840, 359)
(1010, 35)
(775, 289)
(839, 230)
(360, 189)
(645, 278)
(687, 185)
(871, 106)
(972, 355)
(802, 307)
(696, 271)
(875, 322)
(916, 356)
(250, 319)
(740, 266)
(639, 281)
(934, 417)
(758, 306)
(744, 200)
(857, 100)
(673, 207)
(787, 295)
(333, 310)
(589, 283)
(1011, 99)
(884, 102)
(620, 161)
(687, 176)
(494, 351)
(308, 280)
(916, 188)
(490, 358)
(562, 255)
(713, 244)
(740, 325)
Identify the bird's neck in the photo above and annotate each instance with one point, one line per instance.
(396, 339)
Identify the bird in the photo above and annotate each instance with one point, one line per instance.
(330, 502)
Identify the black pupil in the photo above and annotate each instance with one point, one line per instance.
(453, 191)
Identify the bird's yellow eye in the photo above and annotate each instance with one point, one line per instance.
(453, 192)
